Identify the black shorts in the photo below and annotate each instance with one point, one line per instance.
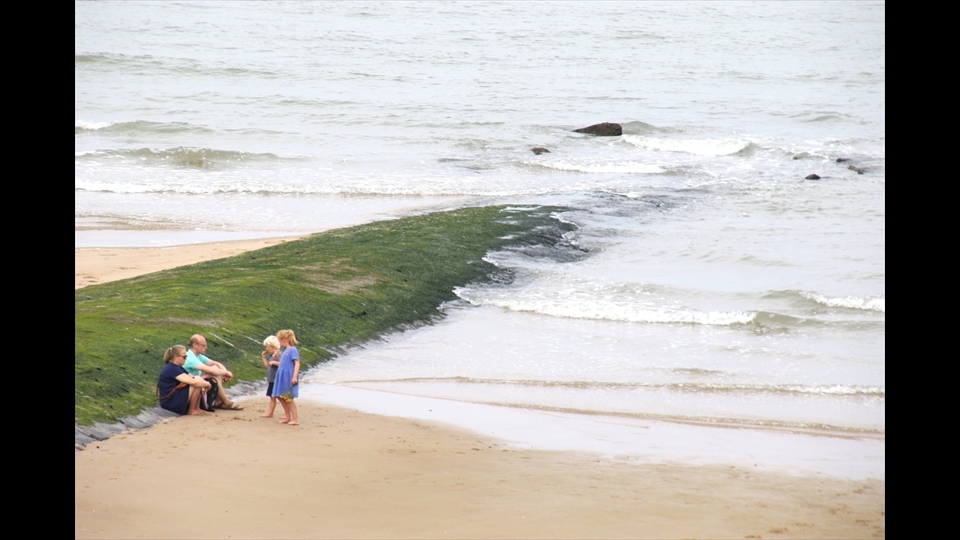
(270, 389)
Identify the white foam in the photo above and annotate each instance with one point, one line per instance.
(93, 126)
(597, 309)
(852, 302)
(623, 167)
(699, 147)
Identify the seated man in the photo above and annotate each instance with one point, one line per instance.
(199, 365)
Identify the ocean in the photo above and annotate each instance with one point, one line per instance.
(711, 289)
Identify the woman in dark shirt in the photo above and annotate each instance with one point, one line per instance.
(179, 391)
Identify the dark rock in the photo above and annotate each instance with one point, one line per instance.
(842, 159)
(813, 177)
(606, 129)
(245, 388)
(161, 413)
(80, 439)
(539, 150)
(142, 420)
(98, 431)
(858, 169)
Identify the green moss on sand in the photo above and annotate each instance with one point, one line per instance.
(334, 289)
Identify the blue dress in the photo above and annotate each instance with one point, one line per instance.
(282, 384)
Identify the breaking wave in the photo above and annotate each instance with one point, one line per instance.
(699, 147)
(850, 302)
(686, 387)
(623, 167)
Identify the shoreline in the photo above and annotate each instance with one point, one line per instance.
(346, 473)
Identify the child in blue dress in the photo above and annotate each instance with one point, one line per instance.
(286, 386)
(271, 360)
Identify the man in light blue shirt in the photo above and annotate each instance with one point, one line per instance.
(200, 366)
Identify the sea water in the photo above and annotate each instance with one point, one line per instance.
(707, 282)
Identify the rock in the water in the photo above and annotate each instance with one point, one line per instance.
(842, 159)
(858, 169)
(539, 150)
(606, 129)
(813, 177)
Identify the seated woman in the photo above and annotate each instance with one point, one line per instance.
(177, 390)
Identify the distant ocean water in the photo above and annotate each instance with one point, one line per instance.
(711, 281)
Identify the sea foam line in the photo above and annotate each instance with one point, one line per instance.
(699, 147)
(691, 387)
(852, 302)
(628, 167)
(616, 313)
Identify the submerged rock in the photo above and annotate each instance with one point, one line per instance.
(539, 150)
(606, 129)
(858, 169)
(812, 177)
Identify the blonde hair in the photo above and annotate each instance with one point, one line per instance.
(287, 335)
(272, 341)
(173, 352)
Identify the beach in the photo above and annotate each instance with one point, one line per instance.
(515, 327)
(347, 474)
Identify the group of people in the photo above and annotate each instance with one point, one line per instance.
(192, 383)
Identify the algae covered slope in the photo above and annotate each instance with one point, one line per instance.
(333, 289)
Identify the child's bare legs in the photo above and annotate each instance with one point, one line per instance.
(273, 405)
(286, 411)
(292, 414)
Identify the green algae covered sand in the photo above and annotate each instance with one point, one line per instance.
(334, 289)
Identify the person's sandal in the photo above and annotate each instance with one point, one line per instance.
(231, 407)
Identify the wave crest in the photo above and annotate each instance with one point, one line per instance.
(850, 302)
(628, 167)
(685, 387)
(180, 156)
(137, 126)
(699, 147)
(609, 312)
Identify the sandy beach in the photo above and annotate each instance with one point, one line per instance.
(346, 474)
(100, 265)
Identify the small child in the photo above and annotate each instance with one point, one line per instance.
(271, 361)
(287, 386)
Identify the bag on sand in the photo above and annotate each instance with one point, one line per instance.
(209, 396)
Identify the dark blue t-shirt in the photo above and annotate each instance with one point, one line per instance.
(168, 378)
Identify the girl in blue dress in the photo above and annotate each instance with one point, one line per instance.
(286, 386)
